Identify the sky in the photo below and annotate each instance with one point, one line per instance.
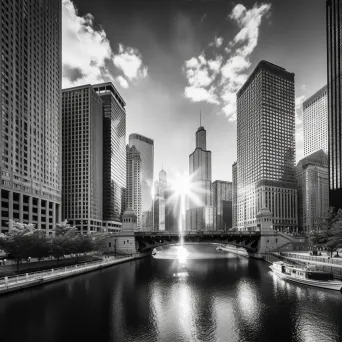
(171, 59)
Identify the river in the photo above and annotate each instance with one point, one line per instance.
(212, 297)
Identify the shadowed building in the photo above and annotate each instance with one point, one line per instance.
(114, 151)
(313, 190)
(222, 205)
(266, 147)
(133, 187)
(315, 122)
(199, 216)
(234, 196)
(30, 139)
(334, 59)
(82, 151)
(145, 146)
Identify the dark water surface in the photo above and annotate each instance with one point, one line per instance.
(221, 299)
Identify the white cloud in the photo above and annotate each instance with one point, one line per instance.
(218, 41)
(198, 94)
(225, 76)
(87, 55)
(122, 81)
(299, 127)
(130, 62)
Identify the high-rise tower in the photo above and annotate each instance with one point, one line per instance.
(334, 59)
(200, 213)
(222, 204)
(114, 151)
(82, 151)
(234, 196)
(315, 122)
(133, 190)
(266, 147)
(146, 148)
(30, 101)
(313, 190)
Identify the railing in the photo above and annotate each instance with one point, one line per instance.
(186, 233)
(327, 260)
(332, 267)
(61, 272)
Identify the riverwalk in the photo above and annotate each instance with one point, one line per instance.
(16, 283)
(322, 263)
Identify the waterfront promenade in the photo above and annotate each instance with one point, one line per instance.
(15, 283)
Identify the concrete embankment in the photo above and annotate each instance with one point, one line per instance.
(16, 283)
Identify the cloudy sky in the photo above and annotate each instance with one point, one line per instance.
(170, 59)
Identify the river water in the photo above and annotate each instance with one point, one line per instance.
(211, 297)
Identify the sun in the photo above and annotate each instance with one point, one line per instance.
(182, 184)
(182, 254)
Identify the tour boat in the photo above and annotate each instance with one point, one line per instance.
(306, 276)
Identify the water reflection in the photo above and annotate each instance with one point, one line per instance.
(228, 298)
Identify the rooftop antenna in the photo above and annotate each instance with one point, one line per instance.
(200, 117)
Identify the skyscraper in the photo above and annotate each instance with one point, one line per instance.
(200, 213)
(172, 210)
(222, 204)
(234, 196)
(315, 122)
(114, 151)
(266, 147)
(334, 59)
(82, 152)
(133, 189)
(159, 203)
(313, 190)
(30, 101)
(146, 148)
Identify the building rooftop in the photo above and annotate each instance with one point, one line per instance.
(318, 93)
(272, 68)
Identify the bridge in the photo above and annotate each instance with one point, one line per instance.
(148, 240)
(257, 243)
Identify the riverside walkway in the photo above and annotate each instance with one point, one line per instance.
(322, 263)
(15, 283)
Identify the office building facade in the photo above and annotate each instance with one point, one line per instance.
(114, 152)
(222, 204)
(315, 122)
(133, 186)
(313, 190)
(234, 196)
(199, 216)
(30, 101)
(82, 154)
(146, 148)
(266, 148)
(334, 61)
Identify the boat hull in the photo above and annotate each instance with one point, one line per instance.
(329, 285)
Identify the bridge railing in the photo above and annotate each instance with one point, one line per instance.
(325, 259)
(189, 233)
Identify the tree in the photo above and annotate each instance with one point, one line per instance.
(64, 241)
(41, 244)
(328, 231)
(19, 241)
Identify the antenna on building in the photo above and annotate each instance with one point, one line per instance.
(200, 117)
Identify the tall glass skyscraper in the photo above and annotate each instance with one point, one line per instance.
(334, 58)
(82, 151)
(146, 148)
(30, 101)
(315, 122)
(114, 151)
(234, 195)
(222, 204)
(200, 213)
(133, 181)
(266, 148)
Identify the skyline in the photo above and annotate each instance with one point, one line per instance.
(153, 60)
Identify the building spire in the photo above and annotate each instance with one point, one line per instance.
(200, 117)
